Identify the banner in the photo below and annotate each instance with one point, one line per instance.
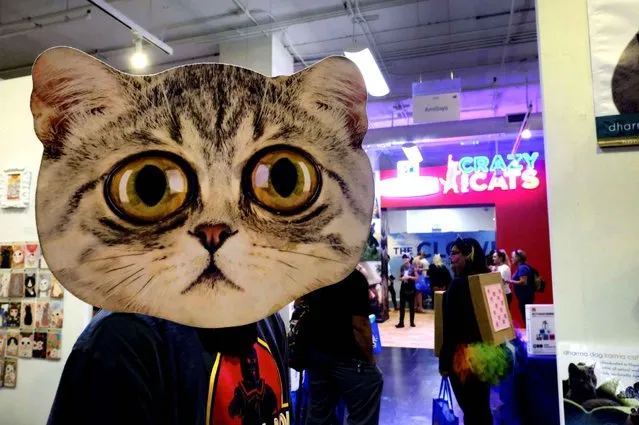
(600, 384)
(614, 52)
(431, 244)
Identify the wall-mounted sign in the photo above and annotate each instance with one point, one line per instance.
(468, 174)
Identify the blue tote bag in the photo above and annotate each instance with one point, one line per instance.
(443, 413)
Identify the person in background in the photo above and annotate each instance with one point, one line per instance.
(523, 281)
(408, 277)
(439, 275)
(341, 365)
(500, 259)
(490, 262)
(391, 290)
(461, 329)
(420, 283)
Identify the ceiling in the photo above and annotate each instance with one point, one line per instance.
(490, 44)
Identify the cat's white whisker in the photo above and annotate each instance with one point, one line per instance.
(114, 257)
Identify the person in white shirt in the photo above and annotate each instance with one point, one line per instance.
(500, 258)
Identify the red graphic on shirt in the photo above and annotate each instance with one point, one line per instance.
(247, 390)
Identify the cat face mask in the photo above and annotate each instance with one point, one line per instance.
(207, 194)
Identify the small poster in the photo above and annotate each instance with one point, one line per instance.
(25, 349)
(4, 314)
(18, 257)
(16, 285)
(6, 256)
(600, 383)
(56, 317)
(54, 345)
(42, 315)
(10, 372)
(614, 54)
(13, 342)
(1, 372)
(44, 284)
(32, 255)
(5, 282)
(27, 315)
(13, 318)
(57, 291)
(40, 345)
(3, 336)
(30, 284)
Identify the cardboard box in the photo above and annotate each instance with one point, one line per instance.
(439, 321)
(491, 308)
(540, 329)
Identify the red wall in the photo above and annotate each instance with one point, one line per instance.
(521, 218)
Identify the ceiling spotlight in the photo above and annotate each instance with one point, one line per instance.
(139, 59)
(526, 134)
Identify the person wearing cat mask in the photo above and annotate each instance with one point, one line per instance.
(461, 329)
(190, 205)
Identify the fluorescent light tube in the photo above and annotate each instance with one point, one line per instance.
(375, 82)
(413, 154)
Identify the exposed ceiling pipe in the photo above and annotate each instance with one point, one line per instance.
(39, 27)
(290, 45)
(523, 126)
(505, 51)
(54, 15)
(132, 25)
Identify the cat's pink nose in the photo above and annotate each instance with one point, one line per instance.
(212, 236)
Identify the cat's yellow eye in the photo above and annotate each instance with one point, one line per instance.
(148, 188)
(283, 180)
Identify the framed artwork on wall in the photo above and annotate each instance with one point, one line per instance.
(15, 186)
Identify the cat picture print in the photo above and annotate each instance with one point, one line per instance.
(207, 194)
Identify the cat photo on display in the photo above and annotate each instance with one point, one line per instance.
(10, 373)
(56, 314)
(30, 285)
(581, 387)
(25, 349)
(27, 315)
(42, 315)
(203, 194)
(32, 255)
(12, 343)
(40, 345)
(6, 256)
(56, 290)
(44, 285)
(4, 314)
(54, 345)
(18, 257)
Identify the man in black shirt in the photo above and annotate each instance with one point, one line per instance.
(407, 291)
(341, 363)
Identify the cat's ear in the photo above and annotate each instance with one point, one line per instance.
(572, 368)
(69, 84)
(335, 85)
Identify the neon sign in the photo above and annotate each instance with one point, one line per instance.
(480, 173)
(469, 174)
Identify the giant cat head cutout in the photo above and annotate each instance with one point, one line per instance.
(207, 194)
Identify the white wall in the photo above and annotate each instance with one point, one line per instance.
(30, 401)
(448, 219)
(593, 196)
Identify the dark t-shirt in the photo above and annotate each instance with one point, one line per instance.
(407, 286)
(528, 290)
(130, 369)
(330, 317)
